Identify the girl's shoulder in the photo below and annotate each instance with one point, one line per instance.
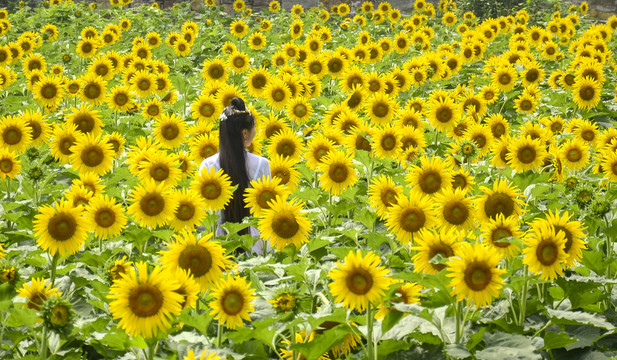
(209, 162)
(254, 157)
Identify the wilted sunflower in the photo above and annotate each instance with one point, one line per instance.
(144, 303)
(105, 217)
(214, 187)
(284, 223)
(359, 281)
(337, 172)
(152, 204)
(203, 258)
(475, 275)
(60, 228)
(545, 251)
(37, 292)
(233, 302)
(504, 198)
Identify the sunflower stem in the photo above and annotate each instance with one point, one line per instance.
(293, 342)
(370, 353)
(219, 335)
(8, 188)
(54, 264)
(523, 299)
(44, 343)
(152, 350)
(457, 315)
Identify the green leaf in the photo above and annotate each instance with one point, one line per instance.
(501, 346)
(21, 317)
(457, 351)
(391, 319)
(387, 347)
(323, 342)
(197, 322)
(553, 340)
(475, 339)
(562, 317)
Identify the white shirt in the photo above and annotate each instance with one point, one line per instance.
(257, 167)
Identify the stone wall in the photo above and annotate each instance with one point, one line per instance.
(601, 9)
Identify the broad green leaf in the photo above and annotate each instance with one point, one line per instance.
(562, 317)
(323, 342)
(553, 340)
(501, 346)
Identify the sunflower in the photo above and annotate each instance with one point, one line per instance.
(49, 91)
(120, 98)
(37, 293)
(257, 41)
(239, 62)
(91, 153)
(34, 62)
(182, 47)
(92, 89)
(337, 172)
(105, 217)
(434, 248)
(203, 258)
(455, 210)
(387, 142)
(238, 28)
(575, 154)
(14, 134)
(60, 228)
(609, 166)
(277, 93)
(286, 143)
(86, 119)
(431, 177)
(283, 168)
(504, 78)
(152, 108)
(444, 114)
(503, 198)
(214, 187)
(380, 108)
(409, 215)
(573, 233)
(586, 131)
(144, 303)
(215, 70)
(233, 302)
(475, 275)
(152, 205)
(498, 234)
(383, 193)
(283, 223)
(545, 251)
(87, 48)
(299, 110)
(525, 154)
(160, 167)
(359, 281)
(261, 192)
(9, 165)
(169, 130)
(587, 93)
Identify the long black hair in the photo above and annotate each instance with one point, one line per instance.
(232, 156)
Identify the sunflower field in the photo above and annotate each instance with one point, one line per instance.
(442, 184)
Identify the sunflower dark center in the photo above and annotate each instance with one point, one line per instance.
(568, 236)
(49, 91)
(12, 135)
(159, 172)
(170, 131)
(526, 154)
(105, 217)
(211, 190)
(121, 99)
(430, 181)
(92, 155)
(478, 276)
(65, 144)
(286, 148)
(388, 197)
(499, 203)
(62, 226)
(185, 211)
(197, 259)
(92, 91)
(412, 219)
(442, 250)
(145, 300)
(338, 173)
(359, 281)
(455, 212)
(284, 224)
(547, 252)
(84, 122)
(264, 197)
(283, 174)
(498, 236)
(152, 204)
(232, 303)
(444, 114)
(6, 165)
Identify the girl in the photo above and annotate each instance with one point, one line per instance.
(236, 133)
